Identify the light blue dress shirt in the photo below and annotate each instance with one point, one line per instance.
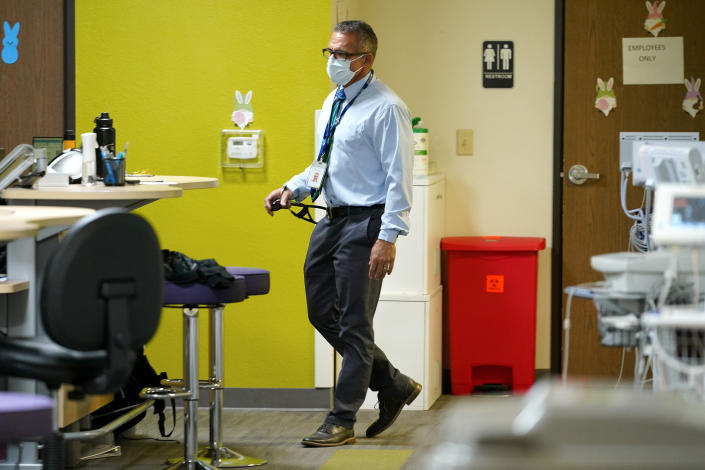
(371, 158)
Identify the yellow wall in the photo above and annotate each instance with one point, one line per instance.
(430, 53)
(167, 71)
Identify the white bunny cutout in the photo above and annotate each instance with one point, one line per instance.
(243, 114)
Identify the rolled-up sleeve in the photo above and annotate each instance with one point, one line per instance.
(297, 185)
(394, 139)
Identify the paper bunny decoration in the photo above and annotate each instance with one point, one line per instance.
(606, 100)
(242, 114)
(9, 43)
(693, 101)
(655, 23)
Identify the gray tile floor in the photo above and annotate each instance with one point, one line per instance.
(275, 435)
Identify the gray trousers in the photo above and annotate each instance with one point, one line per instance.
(341, 301)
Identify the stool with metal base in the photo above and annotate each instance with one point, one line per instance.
(216, 454)
(192, 297)
(189, 297)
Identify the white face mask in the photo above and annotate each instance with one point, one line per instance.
(339, 70)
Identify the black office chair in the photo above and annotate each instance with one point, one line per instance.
(101, 299)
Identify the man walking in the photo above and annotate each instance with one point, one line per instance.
(363, 171)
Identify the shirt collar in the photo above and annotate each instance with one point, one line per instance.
(355, 88)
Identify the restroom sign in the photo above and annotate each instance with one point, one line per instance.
(498, 64)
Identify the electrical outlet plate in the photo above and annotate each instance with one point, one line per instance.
(464, 142)
(241, 148)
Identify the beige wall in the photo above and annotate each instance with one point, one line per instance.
(430, 53)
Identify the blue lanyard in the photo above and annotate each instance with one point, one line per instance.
(330, 129)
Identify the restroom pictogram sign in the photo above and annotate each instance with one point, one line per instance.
(495, 283)
(498, 64)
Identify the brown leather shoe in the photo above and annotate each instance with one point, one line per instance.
(330, 435)
(391, 406)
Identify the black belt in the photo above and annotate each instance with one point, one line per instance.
(344, 211)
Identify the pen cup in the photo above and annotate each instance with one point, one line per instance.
(114, 171)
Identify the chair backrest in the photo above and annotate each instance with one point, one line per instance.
(103, 290)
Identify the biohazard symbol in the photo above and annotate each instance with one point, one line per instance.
(495, 283)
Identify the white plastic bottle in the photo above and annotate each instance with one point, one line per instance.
(421, 165)
(89, 144)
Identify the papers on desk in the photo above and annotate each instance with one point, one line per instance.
(156, 182)
(52, 179)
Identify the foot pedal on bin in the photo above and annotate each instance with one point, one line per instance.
(492, 389)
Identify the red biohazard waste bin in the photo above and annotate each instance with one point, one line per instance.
(491, 287)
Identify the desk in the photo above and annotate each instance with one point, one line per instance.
(18, 222)
(24, 227)
(21, 226)
(95, 197)
(28, 256)
(99, 196)
(26, 221)
(34, 240)
(150, 190)
(183, 182)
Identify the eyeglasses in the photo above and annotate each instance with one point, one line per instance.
(304, 213)
(327, 53)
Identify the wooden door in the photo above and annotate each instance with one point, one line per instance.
(31, 71)
(592, 218)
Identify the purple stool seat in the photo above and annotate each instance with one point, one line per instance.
(196, 293)
(24, 416)
(257, 280)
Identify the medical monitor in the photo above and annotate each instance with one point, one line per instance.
(679, 215)
(629, 143)
(662, 162)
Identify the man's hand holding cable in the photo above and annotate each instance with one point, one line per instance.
(283, 194)
(382, 259)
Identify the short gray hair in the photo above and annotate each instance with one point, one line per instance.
(366, 37)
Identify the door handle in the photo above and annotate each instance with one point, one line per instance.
(578, 174)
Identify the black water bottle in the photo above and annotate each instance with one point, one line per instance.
(105, 134)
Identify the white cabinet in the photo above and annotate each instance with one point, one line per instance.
(408, 328)
(417, 269)
(408, 320)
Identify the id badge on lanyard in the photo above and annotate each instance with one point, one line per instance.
(316, 174)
